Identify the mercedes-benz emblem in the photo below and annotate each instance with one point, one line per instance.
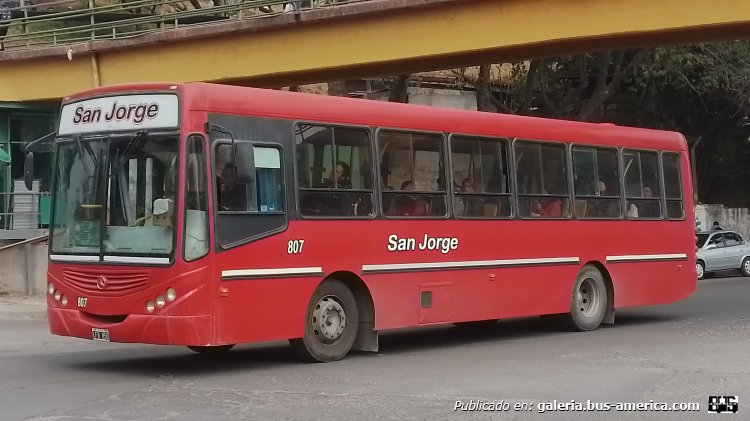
(101, 283)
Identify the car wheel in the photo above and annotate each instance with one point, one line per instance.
(745, 268)
(701, 269)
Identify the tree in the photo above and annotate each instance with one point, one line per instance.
(702, 91)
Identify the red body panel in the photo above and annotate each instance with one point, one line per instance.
(212, 311)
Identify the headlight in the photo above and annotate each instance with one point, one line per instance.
(64, 301)
(160, 301)
(50, 288)
(150, 307)
(171, 294)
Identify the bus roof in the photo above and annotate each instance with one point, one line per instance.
(228, 99)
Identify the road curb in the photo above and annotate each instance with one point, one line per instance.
(22, 308)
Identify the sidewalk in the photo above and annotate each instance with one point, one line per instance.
(15, 307)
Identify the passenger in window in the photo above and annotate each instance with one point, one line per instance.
(604, 208)
(233, 195)
(458, 202)
(408, 205)
(649, 208)
(715, 226)
(632, 210)
(468, 206)
(341, 173)
(547, 208)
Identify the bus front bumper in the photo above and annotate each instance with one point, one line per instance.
(135, 328)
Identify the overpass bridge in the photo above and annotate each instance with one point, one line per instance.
(255, 43)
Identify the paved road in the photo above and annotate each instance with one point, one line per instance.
(678, 353)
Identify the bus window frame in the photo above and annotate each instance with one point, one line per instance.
(568, 163)
(659, 173)
(207, 172)
(380, 190)
(374, 191)
(620, 181)
(663, 184)
(511, 172)
(215, 144)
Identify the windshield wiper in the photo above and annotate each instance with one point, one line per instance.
(131, 143)
(79, 149)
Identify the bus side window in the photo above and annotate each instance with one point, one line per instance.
(642, 184)
(412, 166)
(334, 171)
(541, 179)
(673, 185)
(480, 177)
(249, 210)
(597, 182)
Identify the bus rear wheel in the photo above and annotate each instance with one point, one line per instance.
(211, 350)
(589, 300)
(331, 324)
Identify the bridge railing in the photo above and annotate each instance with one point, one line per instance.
(66, 22)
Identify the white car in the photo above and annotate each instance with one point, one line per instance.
(721, 250)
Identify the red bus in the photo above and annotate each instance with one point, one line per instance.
(207, 215)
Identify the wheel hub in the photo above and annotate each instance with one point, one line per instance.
(588, 297)
(328, 319)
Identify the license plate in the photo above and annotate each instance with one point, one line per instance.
(100, 334)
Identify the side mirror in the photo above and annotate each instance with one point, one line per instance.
(710, 246)
(245, 162)
(28, 170)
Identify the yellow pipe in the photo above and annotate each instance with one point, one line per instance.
(95, 71)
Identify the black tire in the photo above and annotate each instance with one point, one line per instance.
(700, 268)
(211, 350)
(745, 268)
(588, 302)
(335, 301)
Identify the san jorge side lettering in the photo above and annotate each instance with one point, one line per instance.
(137, 113)
(444, 244)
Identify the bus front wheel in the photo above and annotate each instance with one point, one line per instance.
(589, 300)
(331, 324)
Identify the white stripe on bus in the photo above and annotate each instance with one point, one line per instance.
(468, 264)
(646, 257)
(112, 259)
(137, 259)
(247, 273)
(73, 258)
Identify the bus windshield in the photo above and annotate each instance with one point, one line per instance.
(114, 197)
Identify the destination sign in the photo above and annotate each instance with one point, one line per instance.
(118, 113)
